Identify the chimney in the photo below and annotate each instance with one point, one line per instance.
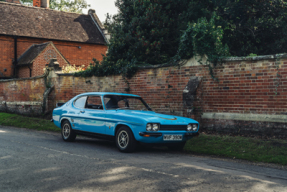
(41, 3)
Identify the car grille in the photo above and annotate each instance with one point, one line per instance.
(172, 127)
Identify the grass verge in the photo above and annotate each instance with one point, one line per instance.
(252, 149)
(256, 150)
(8, 119)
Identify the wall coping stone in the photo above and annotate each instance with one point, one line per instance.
(156, 66)
(64, 74)
(228, 59)
(22, 103)
(256, 58)
(21, 79)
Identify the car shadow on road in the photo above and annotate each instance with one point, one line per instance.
(111, 145)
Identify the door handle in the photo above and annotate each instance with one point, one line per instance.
(82, 111)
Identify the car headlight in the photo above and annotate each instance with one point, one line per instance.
(148, 127)
(189, 127)
(152, 127)
(155, 127)
(192, 127)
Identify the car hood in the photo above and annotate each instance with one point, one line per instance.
(154, 117)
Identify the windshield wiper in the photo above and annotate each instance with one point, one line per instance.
(122, 108)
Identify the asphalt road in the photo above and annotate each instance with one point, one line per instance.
(41, 161)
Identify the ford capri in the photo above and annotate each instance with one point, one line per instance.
(125, 118)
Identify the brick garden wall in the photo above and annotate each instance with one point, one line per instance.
(249, 98)
(24, 96)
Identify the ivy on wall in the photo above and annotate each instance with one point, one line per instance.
(203, 38)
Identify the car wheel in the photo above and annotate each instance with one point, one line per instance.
(176, 146)
(67, 132)
(125, 140)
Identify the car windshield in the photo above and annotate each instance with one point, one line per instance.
(125, 102)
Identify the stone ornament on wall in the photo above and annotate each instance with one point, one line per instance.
(50, 54)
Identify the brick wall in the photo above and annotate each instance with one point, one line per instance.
(70, 50)
(243, 87)
(24, 72)
(24, 96)
(249, 98)
(40, 62)
(6, 56)
(247, 87)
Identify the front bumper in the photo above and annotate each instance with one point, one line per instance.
(146, 134)
(157, 137)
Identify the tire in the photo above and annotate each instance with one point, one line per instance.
(125, 140)
(67, 131)
(176, 146)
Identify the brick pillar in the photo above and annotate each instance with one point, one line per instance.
(37, 3)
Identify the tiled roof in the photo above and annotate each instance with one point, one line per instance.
(25, 21)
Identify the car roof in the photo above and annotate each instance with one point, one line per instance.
(108, 93)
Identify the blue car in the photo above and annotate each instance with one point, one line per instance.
(125, 118)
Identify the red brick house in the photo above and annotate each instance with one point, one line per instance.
(31, 36)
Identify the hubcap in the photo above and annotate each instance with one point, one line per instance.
(123, 139)
(66, 131)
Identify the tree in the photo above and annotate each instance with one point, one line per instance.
(160, 31)
(75, 6)
(250, 26)
(146, 30)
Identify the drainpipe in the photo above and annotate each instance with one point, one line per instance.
(15, 56)
(30, 71)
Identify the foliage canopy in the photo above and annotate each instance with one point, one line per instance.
(75, 6)
(160, 31)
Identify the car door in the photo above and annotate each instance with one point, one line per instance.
(78, 108)
(93, 115)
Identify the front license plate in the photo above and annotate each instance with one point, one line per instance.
(172, 137)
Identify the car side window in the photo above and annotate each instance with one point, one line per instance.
(80, 102)
(94, 102)
(111, 102)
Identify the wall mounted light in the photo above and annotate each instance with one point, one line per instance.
(79, 47)
(5, 69)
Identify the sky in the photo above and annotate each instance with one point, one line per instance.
(102, 7)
